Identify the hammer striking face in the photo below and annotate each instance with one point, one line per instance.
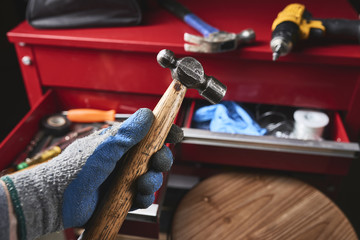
(189, 72)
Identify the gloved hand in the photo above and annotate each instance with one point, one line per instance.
(63, 192)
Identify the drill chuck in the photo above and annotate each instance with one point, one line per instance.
(283, 39)
(280, 47)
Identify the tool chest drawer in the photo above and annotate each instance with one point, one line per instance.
(246, 80)
(58, 100)
(331, 155)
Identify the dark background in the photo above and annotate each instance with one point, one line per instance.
(14, 103)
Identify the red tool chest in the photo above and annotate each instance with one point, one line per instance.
(116, 68)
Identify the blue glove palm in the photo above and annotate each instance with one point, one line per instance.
(63, 192)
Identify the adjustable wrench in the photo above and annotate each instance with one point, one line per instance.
(213, 40)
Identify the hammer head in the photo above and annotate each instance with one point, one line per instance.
(190, 73)
(218, 41)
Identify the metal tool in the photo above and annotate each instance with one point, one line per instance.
(186, 72)
(295, 23)
(213, 40)
(88, 115)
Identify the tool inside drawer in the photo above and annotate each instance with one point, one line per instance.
(329, 154)
(56, 101)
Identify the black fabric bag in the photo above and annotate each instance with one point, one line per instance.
(82, 13)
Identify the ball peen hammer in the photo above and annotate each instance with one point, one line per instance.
(186, 72)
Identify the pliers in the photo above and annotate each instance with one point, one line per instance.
(213, 40)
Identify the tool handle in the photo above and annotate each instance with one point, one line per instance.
(87, 115)
(40, 157)
(187, 16)
(201, 26)
(109, 215)
(342, 29)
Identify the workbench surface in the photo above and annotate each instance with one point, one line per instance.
(160, 29)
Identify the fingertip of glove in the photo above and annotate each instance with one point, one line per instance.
(143, 201)
(143, 117)
(175, 135)
(143, 114)
(150, 182)
(162, 160)
(136, 126)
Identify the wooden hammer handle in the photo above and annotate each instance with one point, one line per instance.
(110, 213)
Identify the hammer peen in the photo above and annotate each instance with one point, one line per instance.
(186, 72)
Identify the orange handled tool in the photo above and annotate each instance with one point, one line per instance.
(87, 115)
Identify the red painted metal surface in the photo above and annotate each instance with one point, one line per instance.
(118, 71)
(69, 234)
(338, 130)
(24, 131)
(353, 114)
(120, 102)
(306, 85)
(160, 29)
(30, 73)
(263, 159)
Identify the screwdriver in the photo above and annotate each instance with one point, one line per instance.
(40, 157)
(54, 149)
(87, 115)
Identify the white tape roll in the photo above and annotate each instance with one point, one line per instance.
(309, 124)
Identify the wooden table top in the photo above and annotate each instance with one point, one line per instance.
(249, 206)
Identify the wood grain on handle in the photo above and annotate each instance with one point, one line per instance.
(109, 215)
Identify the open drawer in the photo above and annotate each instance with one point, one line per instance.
(58, 100)
(330, 156)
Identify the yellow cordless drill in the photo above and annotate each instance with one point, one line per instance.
(295, 23)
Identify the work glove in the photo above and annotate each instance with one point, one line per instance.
(63, 192)
(227, 117)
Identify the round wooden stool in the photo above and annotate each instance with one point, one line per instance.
(248, 206)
